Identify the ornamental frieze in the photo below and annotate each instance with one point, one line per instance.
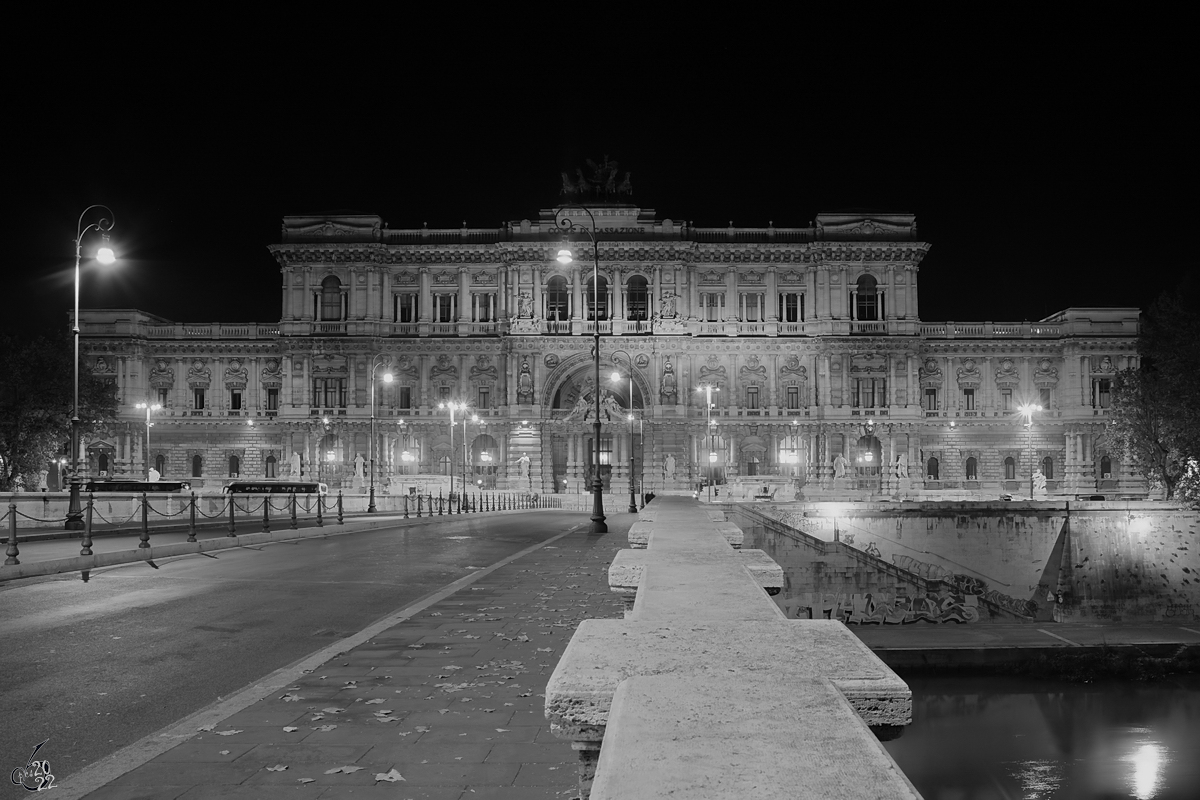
(271, 376)
(199, 374)
(752, 372)
(444, 366)
(162, 376)
(235, 375)
(1046, 374)
(931, 374)
(483, 369)
(1007, 376)
(969, 376)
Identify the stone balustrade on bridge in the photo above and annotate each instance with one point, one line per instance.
(706, 690)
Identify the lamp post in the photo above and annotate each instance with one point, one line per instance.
(564, 257)
(616, 378)
(453, 406)
(708, 390)
(376, 363)
(104, 255)
(150, 407)
(1027, 411)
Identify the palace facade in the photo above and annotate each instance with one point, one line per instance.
(824, 381)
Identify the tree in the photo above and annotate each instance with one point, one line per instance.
(1155, 417)
(36, 395)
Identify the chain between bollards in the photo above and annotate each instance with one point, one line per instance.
(145, 537)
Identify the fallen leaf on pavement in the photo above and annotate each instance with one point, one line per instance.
(290, 728)
(227, 733)
(390, 777)
(346, 770)
(277, 768)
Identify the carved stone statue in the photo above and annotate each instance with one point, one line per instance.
(666, 305)
(669, 466)
(358, 466)
(525, 305)
(902, 465)
(669, 391)
(154, 475)
(525, 384)
(1039, 482)
(294, 464)
(611, 408)
(523, 467)
(839, 466)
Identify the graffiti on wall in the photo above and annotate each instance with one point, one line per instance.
(881, 608)
(968, 585)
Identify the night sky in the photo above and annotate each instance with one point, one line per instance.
(1041, 157)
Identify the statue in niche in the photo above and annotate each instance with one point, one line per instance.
(612, 408)
(583, 406)
(669, 390)
(1106, 364)
(666, 305)
(902, 465)
(669, 466)
(358, 466)
(294, 464)
(839, 466)
(525, 305)
(523, 467)
(525, 384)
(1039, 483)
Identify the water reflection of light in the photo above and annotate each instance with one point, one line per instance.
(1039, 779)
(1148, 762)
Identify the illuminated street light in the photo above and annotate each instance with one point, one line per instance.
(1027, 410)
(565, 257)
(387, 378)
(708, 390)
(453, 406)
(148, 407)
(104, 255)
(616, 378)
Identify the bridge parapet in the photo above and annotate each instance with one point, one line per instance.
(705, 684)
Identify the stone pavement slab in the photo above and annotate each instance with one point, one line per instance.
(447, 704)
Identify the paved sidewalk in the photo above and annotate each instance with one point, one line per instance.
(445, 705)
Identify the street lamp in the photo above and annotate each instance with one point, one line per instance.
(387, 378)
(104, 255)
(1027, 411)
(149, 407)
(564, 257)
(453, 406)
(616, 378)
(708, 390)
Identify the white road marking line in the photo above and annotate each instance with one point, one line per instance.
(1189, 630)
(1060, 638)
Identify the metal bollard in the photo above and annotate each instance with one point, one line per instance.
(192, 520)
(267, 514)
(232, 529)
(406, 506)
(320, 522)
(294, 525)
(86, 545)
(439, 501)
(145, 537)
(12, 552)
(340, 508)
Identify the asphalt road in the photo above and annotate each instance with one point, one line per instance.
(96, 666)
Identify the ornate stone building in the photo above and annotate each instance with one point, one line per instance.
(826, 381)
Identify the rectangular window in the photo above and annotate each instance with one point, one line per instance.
(931, 400)
(198, 399)
(752, 397)
(605, 450)
(405, 308)
(445, 304)
(485, 396)
(1006, 403)
(444, 394)
(968, 399)
(793, 397)
(235, 399)
(404, 397)
(329, 392)
(710, 306)
(1045, 397)
(789, 307)
(1103, 393)
(272, 399)
(163, 395)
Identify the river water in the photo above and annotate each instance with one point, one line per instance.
(1001, 738)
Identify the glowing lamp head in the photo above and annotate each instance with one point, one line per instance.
(712, 457)
(616, 377)
(564, 256)
(388, 377)
(105, 254)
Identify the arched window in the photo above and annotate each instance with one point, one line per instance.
(1048, 467)
(331, 299)
(866, 306)
(1105, 467)
(197, 466)
(271, 467)
(234, 466)
(636, 299)
(160, 464)
(972, 469)
(102, 463)
(558, 299)
(931, 469)
(1010, 469)
(597, 308)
